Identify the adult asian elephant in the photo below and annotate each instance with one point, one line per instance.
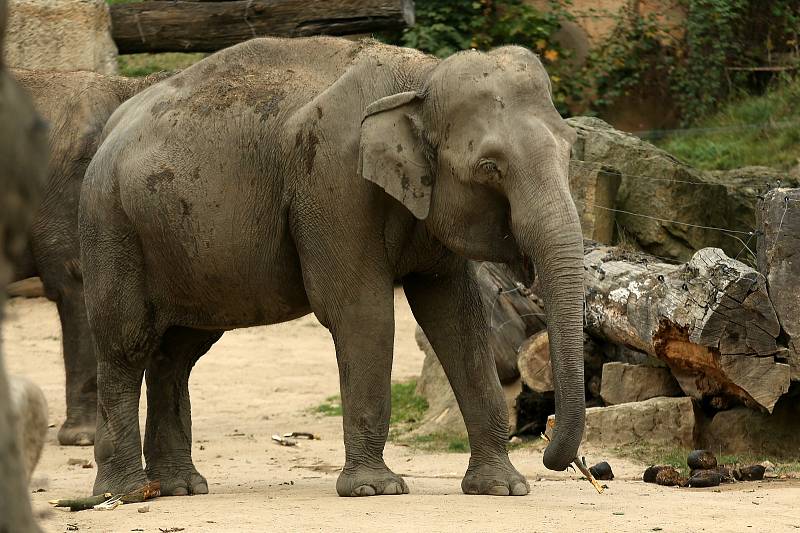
(23, 163)
(77, 106)
(280, 177)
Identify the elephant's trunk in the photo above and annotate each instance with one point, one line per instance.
(546, 226)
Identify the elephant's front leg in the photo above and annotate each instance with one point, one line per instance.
(364, 333)
(359, 312)
(449, 309)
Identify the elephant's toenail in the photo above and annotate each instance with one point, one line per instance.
(498, 490)
(364, 490)
(520, 489)
(180, 491)
(392, 488)
(200, 488)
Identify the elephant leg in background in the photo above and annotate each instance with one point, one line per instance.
(168, 433)
(449, 309)
(80, 365)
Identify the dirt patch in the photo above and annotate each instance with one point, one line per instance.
(260, 381)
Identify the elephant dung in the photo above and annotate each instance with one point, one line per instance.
(623, 383)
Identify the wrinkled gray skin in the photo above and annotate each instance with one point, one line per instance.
(23, 163)
(77, 106)
(247, 190)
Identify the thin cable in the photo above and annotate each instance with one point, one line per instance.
(713, 228)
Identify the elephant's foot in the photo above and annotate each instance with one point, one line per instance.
(359, 480)
(496, 478)
(109, 481)
(178, 480)
(77, 432)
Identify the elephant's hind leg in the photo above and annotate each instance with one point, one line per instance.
(126, 335)
(168, 434)
(448, 307)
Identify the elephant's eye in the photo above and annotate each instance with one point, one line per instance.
(488, 167)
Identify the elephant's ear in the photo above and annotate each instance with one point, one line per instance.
(392, 155)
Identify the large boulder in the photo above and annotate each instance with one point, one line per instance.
(444, 416)
(662, 202)
(60, 35)
(669, 421)
(624, 383)
(29, 409)
(745, 431)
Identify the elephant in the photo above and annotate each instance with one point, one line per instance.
(23, 151)
(281, 177)
(77, 105)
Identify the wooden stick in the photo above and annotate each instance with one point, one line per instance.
(578, 462)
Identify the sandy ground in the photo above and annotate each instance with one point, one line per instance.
(260, 381)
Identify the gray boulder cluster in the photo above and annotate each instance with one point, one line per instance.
(723, 378)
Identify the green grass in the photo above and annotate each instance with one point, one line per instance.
(407, 407)
(138, 65)
(332, 406)
(650, 454)
(732, 146)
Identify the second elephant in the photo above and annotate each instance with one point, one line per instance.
(76, 105)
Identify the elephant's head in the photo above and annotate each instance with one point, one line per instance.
(481, 154)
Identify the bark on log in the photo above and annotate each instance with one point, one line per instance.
(187, 26)
(514, 315)
(710, 320)
(779, 260)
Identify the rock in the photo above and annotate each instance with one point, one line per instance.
(593, 186)
(656, 184)
(29, 408)
(705, 478)
(602, 471)
(779, 261)
(443, 415)
(742, 431)
(623, 383)
(655, 421)
(701, 460)
(60, 35)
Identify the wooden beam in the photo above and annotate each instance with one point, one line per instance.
(199, 26)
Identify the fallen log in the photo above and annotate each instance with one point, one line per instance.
(778, 217)
(709, 319)
(191, 26)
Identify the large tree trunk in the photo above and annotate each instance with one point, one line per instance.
(710, 320)
(191, 26)
(779, 260)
